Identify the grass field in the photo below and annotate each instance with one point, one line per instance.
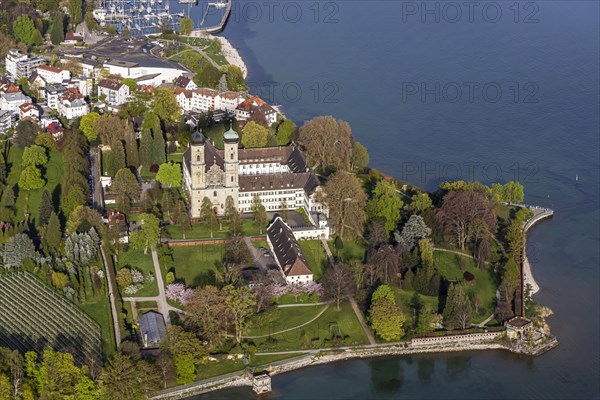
(28, 200)
(216, 368)
(403, 298)
(483, 287)
(200, 231)
(99, 311)
(341, 323)
(302, 299)
(284, 318)
(137, 259)
(351, 251)
(195, 265)
(315, 256)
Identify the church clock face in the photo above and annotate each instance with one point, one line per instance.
(214, 176)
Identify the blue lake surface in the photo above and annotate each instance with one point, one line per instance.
(506, 92)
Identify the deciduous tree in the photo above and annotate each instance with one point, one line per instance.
(327, 142)
(169, 174)
(285, 130)
(338, 284)
(386, 317)
(31, 178)
(259, 212)
(240, 304)
(126, 188)
(346, 200)
(165, 106)
(254, 135)
(385, 203)
(148, 235)
(87, 126)
(360, 156)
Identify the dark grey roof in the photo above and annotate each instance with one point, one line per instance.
(146, 77)
(286, 248)
(152, 327)
(254, 183)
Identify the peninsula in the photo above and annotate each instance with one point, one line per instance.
(165, 232)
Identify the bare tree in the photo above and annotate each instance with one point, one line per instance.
(338, 284)
(327, 142)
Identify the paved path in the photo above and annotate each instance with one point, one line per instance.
(460, 253)
(260, 260)
(134, 299)
(111, 296)
(539, 213)
(290, 329)
(359, 314)
(163, 306)
(301, 305)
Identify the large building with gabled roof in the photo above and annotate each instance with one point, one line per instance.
(287, 252)
(279, 176)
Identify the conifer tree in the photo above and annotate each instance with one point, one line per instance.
(45, 209)
(53, 235)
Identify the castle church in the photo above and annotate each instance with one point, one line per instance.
(279, 176)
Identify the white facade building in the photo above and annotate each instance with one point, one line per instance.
(52, 74)
(116, 92)
(6, 121)
(161, 72)
(11, 101)
(72, 105)
(287, 253)
(19, 65)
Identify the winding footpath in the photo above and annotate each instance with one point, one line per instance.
(293, 328)
(539, 213)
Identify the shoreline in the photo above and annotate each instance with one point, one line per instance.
(333, 355)
(231, 54)
(539, 213)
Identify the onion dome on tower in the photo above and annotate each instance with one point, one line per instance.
(197, 138)
(231, 136)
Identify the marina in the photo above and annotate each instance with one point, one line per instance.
(151, 17)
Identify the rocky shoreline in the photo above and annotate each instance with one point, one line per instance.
(232, 55)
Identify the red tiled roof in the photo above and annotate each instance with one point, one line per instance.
(54, 127)
(110, 84)
(72, 94)
(27, 107)
(72, 36)
(50, 68)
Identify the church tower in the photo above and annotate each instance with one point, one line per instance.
(230, 155)
(198, 163)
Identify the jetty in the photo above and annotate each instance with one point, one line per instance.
(221, 25)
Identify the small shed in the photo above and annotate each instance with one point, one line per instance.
(518, 328)
(261, 382)
(152, 327)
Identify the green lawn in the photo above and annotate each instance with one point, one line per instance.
(341, 323)
(28, 200)
(315, 256)
(222, 367)
(175, 157)
(505, 212)
(302, 299)
(403, 298)
(483, 287)
(284, 318)
(351, 251)
(200, 231)
(195, 265)
(137, 259)
(100, 312)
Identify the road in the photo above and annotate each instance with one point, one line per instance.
(95, 186)
(260, 260)
(113, 308)
(163, 306)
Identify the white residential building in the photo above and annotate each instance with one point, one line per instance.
(257, 108)
(184, 98)
(19, 65)
(203, 99)
(53, 94)
(53, 74)
(116, 92)
(72, 105)
(185, 83)
(29, 110)
(12, 100)
(228, 101)
(6, 120)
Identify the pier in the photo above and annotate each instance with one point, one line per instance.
(220, 26)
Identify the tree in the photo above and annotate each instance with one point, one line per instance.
(158, 148)
(110, 128)
(146, 148)
(45, 140)
(165, 106)
(514, 192)
(148, 235)
(169, 174)
(117, 156)
(386, 317)
(233, 216)
(425, 320)
(122, 379)
(515, 236)
(186, 26)
(285, 130)
(124, 277)
(87, 126)
(126, 188)
(52, 234)
(45, 208)
(457, 312)
(75, 11)
(511, 274)
(25, 133)
(240, 304)
(360, 156)
(254, 135)
(208, 216)
(376, 234)
(327, 142)
(73, 198)
(31, 178)
(17, 249)
(57, 32)
(259, 212)
(338, 284)
(235, 78)
(206, 312)
(25, 31)
(386, 262)
(385, 203)
(130, 83)
(34, 155)
(459, 209)
(345, 199)
(414, 230)
(420, 202)
(426, 249)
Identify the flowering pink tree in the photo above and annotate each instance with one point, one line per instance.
(178, 292)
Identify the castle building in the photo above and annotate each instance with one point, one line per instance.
(279, 176)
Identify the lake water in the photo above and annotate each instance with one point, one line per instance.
(438, 91)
